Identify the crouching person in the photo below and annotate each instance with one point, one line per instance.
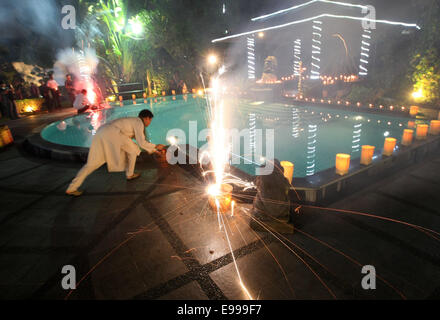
(272, 206)
(114, 146)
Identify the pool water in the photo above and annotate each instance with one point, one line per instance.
(309, 137)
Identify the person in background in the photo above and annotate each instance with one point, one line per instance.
(18, 86)
(68, 84)
(35, 93)
(8, 107)
(53, 86)
(81, 103)
(113, 144)
(46, 92)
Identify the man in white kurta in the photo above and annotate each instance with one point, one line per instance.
(113, 145)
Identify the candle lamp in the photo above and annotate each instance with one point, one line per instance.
(388, 147)
(413, 111)
(367, 155)
(422, 131)
(435, 127)
(407, 137)
(342, 163)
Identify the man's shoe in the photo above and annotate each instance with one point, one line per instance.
(134, 176)
(74, 193)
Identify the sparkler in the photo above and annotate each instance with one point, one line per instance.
(219, 153)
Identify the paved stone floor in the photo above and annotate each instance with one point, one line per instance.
(156, 238)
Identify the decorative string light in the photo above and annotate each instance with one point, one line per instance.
(324, 15)
(315, 71)
(252, 128)
(365, 44)
(251, 57)
(357, 129)
(307, 4)
(295, 122)
(297, 57)
(311, 149)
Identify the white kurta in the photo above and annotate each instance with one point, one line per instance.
(113, 141)
(113, 145)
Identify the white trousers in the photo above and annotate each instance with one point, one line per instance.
(90, 167)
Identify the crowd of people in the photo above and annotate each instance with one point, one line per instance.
(48, 90)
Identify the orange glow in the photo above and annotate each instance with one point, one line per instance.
(222, 196)
(407, 137)
(288, 169)
(413, 111)
(435, 127)
(422, 131)
(388, 147)
(342, 163)
(367, 155)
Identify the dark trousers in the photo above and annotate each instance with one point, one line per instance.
(82, 110)
(9, 108)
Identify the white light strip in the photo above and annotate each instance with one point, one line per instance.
(307, 4)
(315, 67)
(252, 127)
(295, 122)
(408, 25)
(363, 69)
(310, 168)
(251, 57)
(297, 57)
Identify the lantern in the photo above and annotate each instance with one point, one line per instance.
(388, 147)
(422, 131)
(5, 136)
(413, 111)
(411, 124)
(173, 92)
(367, 155)
(342, 163)
(407, 137)
(435, 127)
(288, 170)
(163, 93)
(120, 98)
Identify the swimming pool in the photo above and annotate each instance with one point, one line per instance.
(310, 137)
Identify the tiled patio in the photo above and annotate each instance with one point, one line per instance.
(156, 238)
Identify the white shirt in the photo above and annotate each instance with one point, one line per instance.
(81, 101)
(133, 127)
(52, 84)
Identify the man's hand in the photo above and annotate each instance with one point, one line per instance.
(160, 147)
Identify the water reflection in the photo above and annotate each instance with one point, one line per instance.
(311, 149)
